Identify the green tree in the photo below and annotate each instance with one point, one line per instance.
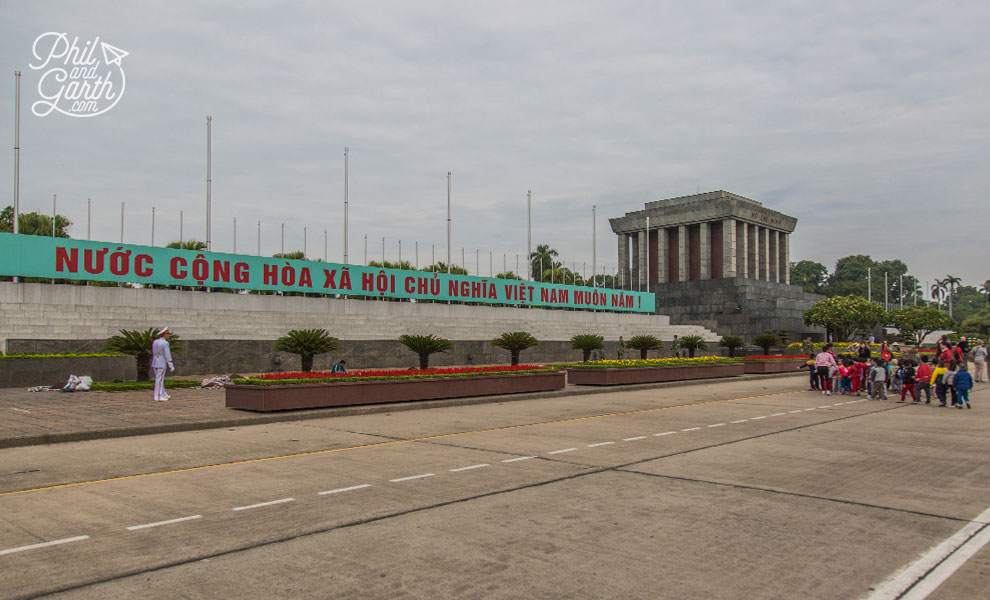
(691, 343)
(542, 260)
(845, 315)
(441, 267)
(424, 346)
(985, 290)
(810, 275)
(966, 300)
(979, 321)
(644, 343)
(732, 342)
(515, 343)
(307, 343)
(187, 245)
(138, 344)
(850, 276)
(295, 254)
(586, 342)
(915, 322)
(508, 275)
(404, 265)
(33, 223)
(766, 339)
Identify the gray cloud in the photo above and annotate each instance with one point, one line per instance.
(864, 120)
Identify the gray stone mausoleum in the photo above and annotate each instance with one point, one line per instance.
(715, 259)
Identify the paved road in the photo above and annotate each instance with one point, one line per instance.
(752, 489)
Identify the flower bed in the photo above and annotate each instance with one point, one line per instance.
(777, 357)
(623, 372)
(373, 387)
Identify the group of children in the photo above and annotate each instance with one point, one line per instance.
(950, 378)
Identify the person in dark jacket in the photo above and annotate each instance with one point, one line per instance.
(963, 382)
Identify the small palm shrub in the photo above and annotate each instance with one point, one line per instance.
(691, 343)
(732, 342)
(307, 343)
(424, 346)
(586, 342)
(644, 343)
(138, 343)
(515, 342)
(765, 340)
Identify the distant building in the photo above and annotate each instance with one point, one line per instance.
(715, 259)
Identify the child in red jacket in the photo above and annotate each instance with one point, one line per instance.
(856, 375)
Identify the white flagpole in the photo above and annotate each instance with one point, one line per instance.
(383, 251)
(448, 222)
(417, 255)
(89, 217)
(305, 244)
(53, 215)
(17, 153)
(326, 255)
(259, 238)
(529, 234)
(180, 229)
(152, 225)
(209, 179)
(594, 243)
(283, 240)
(121, 222)
(400, 254)
(366, 249)
(235, 235)
(346, 153)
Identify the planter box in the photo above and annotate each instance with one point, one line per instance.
(607, 376)
(774, 366)
(348, 393)
(54, 372)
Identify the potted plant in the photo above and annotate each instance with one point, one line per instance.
(306, 343)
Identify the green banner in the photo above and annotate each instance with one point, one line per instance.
(64, 258)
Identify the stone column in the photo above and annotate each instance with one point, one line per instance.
(742, 250)
(753, 260)
(705, 250)
(785, 257)
(644, 247)
(773, 259)
(729, 248)
(682, 257)
(764, 243)
(662, 257)
(623, 260)
(634, 262)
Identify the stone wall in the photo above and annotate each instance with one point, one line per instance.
(234, 332)
(738, 306)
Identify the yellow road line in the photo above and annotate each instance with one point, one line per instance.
(381, 444)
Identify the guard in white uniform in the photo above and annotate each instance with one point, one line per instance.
(161, 357)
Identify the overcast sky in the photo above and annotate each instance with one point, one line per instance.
(868, 121)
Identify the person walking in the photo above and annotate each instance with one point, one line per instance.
(825, 364)
(963, 382)
(980, 361)
(907, 380)
(937, 380)
(923, 377)
(878, 380)
(161, 357)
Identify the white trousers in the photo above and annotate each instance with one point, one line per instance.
(159, 383)
(980, 373)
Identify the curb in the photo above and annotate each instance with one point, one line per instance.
(349, 411)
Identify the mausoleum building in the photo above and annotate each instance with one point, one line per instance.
(717, 259)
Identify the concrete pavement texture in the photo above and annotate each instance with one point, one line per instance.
(750, 488)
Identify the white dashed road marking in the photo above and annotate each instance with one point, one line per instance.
(757, 418)
(346, 489)
(169, 522)
(562, 451)
(260, 504)
(633, 439)
(691, 429)
(739, 421)
(44, 544)
(664, 433)
(510, 460)
(718, 425)
(778, 414)
(410, 478)
(600, 444)
(470, 468)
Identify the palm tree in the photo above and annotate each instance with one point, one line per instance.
(515, 343)
(951, 281)
(424, 346)
(985, 290)
(732, 342)
(766, 339)
(692, 343)
(187, 245)
(541, 260)
(938, 290)
(138, 343)
(644, 343)
(586, 342)
(307, 343)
